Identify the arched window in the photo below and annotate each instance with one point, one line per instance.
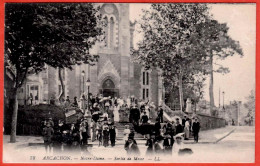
(106, 30)
(112, 24)
(145, 85)
(111, 16)
(108, 84)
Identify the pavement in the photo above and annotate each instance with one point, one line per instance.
(228, 144)
(212, 136)
(205, 137)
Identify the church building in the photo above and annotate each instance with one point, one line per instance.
(115, 74)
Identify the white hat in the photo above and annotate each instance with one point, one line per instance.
(180, 135)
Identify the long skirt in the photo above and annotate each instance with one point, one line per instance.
(94, 134)
(187, 133)
(105, 140)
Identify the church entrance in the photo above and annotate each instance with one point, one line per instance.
(108, 89)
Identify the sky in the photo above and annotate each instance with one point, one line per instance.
(241, 20)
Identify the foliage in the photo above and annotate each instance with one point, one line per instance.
(169, 42)
(250, 108)
(59, 35)
(181, 40)
(56, 34)
(214, 39)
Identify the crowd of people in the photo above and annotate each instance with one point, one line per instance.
(162, 138)
(166, 138)
(104, 113)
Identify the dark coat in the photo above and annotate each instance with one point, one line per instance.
(149, 150)
(112, 133)
(160, 112)
(179, 129)
(105, 137)
(145, 119)
(132, 149)
(196, 127)
(157, 127)
(183, 122)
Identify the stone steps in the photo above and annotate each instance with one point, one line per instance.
(121, 126)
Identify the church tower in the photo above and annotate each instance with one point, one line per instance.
(112, 69)
(113, 75)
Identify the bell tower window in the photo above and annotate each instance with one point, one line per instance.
(106, 31)
(112, 24)
(111, 16)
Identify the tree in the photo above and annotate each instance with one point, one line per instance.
(59, 35)
(169, 43)
(214, 39)
(250, 107)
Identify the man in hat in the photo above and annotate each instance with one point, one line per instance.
(112, 134)
(84, 133)
(196, 129)
(183, 121)
(47, 137)
(160, 114)
(169, 132)
(135, 114)
(179, 128)
(144, 118)
(131, 146)
(150, 144)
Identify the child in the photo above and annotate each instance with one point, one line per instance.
(126, 132)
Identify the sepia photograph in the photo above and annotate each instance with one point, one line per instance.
(129, 82)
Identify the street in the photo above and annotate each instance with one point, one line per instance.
(237, 146)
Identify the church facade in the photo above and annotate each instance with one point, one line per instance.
(115, 74)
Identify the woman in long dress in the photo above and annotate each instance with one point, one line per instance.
(178, 145)
(116, 113)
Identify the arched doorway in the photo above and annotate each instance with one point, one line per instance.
(109, 89)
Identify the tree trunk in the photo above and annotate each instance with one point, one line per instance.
(61, 95)
(14, 117)
(211, 93)
(181, 92)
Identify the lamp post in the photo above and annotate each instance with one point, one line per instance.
(83, 75)
(238, 112)
(223, 99)
(88, 85)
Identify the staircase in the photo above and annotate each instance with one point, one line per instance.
(169, 113)
(120, 128)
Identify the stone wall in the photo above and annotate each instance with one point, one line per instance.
(209, 122)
